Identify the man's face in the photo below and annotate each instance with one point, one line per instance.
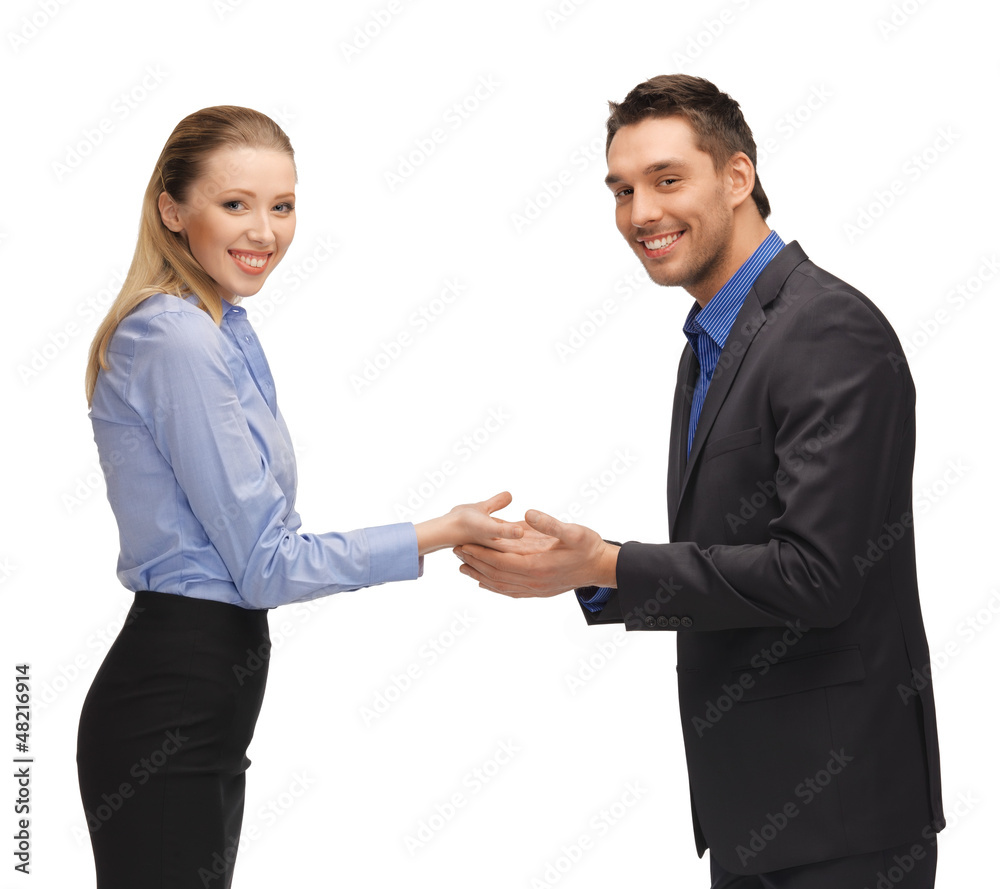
(670, 204)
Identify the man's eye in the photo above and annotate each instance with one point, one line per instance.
(622, 193)
(667, 181)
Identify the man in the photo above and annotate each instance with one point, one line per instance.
(802, 662)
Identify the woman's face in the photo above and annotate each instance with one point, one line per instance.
(238, 217)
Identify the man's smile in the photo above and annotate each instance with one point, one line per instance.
(660, 245)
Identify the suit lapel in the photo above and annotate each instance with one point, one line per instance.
(750, 320)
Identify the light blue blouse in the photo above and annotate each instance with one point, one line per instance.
(201, 474)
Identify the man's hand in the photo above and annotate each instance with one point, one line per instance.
(549, 559)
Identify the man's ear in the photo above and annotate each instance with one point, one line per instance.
(169, 212)
(741, 177)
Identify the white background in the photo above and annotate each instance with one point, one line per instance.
(332, 796)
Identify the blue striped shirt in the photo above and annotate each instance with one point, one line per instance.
(707, 330)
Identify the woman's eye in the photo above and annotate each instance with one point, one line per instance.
(285, 208)
(232, 205)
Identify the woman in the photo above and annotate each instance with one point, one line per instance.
(201, 478)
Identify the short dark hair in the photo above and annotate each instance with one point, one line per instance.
(714, 116)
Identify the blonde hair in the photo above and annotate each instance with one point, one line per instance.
(162, 262)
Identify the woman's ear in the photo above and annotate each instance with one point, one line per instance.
(170, 212)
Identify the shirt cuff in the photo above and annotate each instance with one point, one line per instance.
(595, 601)
(392, 553)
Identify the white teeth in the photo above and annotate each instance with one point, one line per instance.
(252, 261)
(660, 243)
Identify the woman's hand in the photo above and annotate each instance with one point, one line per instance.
(468, 523)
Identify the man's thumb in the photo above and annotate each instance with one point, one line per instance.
(540, 521)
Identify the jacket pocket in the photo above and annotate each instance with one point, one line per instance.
(803, 673)
(742, 439)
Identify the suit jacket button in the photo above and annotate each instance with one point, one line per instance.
(649, 621)
(675, 621)
(661, 621)
(687, 622)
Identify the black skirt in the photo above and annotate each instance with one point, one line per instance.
(161, 750)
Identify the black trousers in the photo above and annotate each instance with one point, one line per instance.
(161, 750)
(909, 866)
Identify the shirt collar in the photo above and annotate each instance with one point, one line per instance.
(227, 306)
(716, 319)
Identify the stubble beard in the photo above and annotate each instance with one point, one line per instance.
(704, 261)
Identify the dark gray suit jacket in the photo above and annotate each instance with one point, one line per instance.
(802, 662)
